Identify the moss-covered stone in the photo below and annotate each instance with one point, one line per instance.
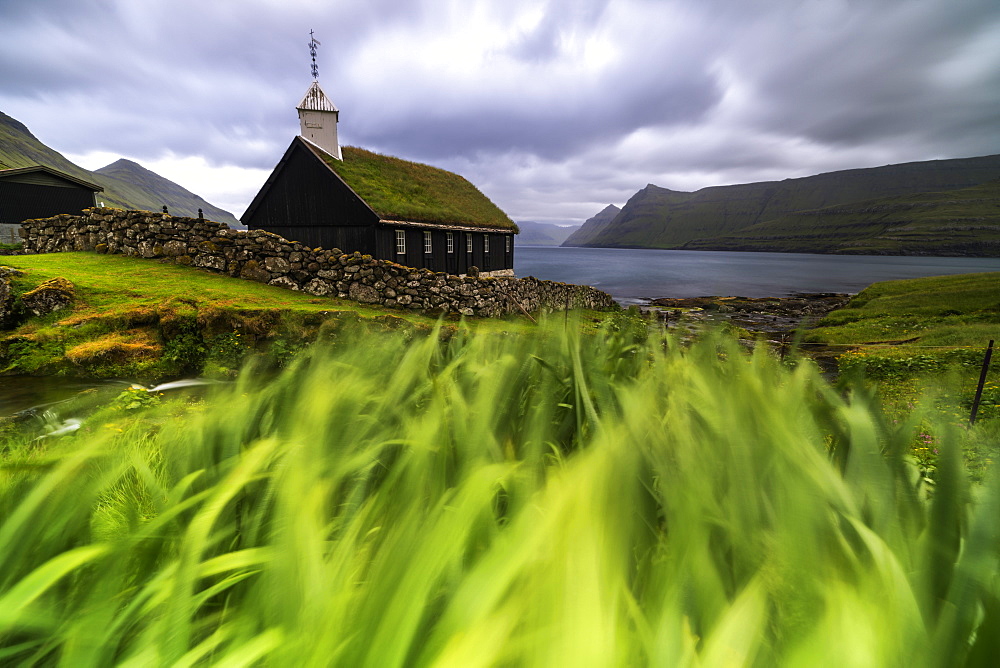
(52, 295)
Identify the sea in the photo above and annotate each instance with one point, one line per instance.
(635, 276)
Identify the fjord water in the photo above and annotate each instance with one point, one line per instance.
(633, 275)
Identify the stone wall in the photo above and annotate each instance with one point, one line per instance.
(268, 258)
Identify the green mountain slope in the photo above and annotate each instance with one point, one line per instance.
(592, 226)
(134, 183)
(955, 222)
(661, 218)
(126, 184)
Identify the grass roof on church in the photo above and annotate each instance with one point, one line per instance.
(401, 190)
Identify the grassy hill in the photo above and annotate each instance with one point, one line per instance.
(127, 185)
(134, 183)
(957, 222)
(142, 319)
(660, 218)
(404, 190)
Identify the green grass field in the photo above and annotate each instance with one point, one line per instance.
(149, 320)
(961, 310)
(920, 337)
(550, 499)
(109, 284)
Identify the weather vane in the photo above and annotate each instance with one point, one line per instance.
(313, 43)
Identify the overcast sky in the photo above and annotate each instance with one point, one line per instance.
(553, 108)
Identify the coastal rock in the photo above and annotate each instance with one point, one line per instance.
(755, 314)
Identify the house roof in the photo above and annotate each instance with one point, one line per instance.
(403, 191)
(8, 173)
(400, 192)
(315, 100)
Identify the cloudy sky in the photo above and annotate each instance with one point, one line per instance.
(553, 108)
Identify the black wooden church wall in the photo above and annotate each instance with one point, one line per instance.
(305, 201)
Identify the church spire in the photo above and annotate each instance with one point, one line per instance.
(313, 43)
(318, 116)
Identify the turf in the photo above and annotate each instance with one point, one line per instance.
(149, 320)
(961, 310)
(403, 190)
(112, 284)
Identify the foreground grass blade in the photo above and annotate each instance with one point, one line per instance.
(554, 499)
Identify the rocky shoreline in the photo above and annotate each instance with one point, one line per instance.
(768, 315)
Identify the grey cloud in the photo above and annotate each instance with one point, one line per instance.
(872, 78)
(745, 90)
(551, 133)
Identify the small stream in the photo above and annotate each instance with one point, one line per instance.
(56, 405)
(19, 394)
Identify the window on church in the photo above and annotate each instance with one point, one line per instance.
(450, 237)
(400, 242)
(506, 244)
(428, 248)
(486, 243)
(468, 242)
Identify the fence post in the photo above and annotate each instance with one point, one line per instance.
(982, 382)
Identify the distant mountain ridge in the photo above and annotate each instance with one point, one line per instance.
(542, 234)
(722, 216)
(127, 184)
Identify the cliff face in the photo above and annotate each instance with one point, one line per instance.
(592, 227)
(660, 218)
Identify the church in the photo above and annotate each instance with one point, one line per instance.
(413, 214)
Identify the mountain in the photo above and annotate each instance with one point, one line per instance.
(953, 222)
(592, 227)
(661, 218)
(542, 234)
(127, 185)
(135, 183)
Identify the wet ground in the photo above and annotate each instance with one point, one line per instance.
(769, 315)
(774, 318)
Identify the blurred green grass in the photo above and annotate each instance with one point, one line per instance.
(554, 498)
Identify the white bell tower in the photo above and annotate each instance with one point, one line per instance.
(317, 114)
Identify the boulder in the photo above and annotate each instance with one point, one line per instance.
(365, 294)
(52, 295)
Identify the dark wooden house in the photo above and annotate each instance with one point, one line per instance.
(41, 192)
(392, 209)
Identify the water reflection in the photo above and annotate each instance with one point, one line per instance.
(21, 394)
